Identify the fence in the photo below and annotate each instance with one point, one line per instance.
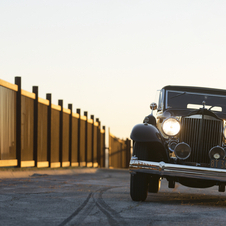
(119, 152)
(36, 133)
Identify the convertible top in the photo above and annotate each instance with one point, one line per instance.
(196, 89)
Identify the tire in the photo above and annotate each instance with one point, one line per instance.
(154, 184)
(138, 186)
(140, 149)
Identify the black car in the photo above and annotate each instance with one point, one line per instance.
(185, 142)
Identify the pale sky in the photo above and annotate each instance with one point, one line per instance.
(108, 57)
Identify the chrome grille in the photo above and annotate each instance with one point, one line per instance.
(201, 140)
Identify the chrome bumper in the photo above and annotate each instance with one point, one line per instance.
(175, 170)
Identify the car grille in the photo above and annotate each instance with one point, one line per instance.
(201, 140)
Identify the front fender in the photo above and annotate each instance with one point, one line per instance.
(145, 133)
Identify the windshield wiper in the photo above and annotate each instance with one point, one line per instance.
(180, 94)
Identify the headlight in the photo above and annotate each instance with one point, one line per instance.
(182, 151)
(217, 152)
(171, 127)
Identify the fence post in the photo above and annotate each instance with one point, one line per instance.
(49, 118)
(86, 135)
(70, 106)
(35, 143)
(104, 155)
(78, 111)
(60, 102)
(98, 143)
(109, 147)
(18, 121)
(128, 152)
(121, 154)
(92, 141)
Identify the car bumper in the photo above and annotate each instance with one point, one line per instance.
(175, 170)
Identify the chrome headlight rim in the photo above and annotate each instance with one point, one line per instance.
(220, 156)
(172, 144)
(179, 157)
(165, 122)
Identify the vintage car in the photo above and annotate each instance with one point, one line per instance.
(185, 142)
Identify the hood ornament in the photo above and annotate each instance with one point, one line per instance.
(204, 103)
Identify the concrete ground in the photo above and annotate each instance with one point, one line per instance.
(86, 196)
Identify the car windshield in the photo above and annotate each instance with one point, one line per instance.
(189, 100)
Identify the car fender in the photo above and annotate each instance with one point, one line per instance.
(145, 133)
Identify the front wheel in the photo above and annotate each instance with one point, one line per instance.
(138, 186)
(154, 184)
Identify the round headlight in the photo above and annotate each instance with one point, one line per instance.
(182, 151)
(171, 127)
(217, 152)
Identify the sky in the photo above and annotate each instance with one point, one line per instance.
(109, 57)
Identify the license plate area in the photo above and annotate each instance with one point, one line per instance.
(220, 164)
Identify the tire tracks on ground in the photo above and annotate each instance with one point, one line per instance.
(113, 217)
(76, 211)
(93, 200)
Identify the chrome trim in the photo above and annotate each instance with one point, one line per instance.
(204, 103)
(223, 132)
(170, 145)
(175, 170)
(134, 157)
(153, 106)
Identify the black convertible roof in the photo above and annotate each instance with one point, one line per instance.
(196, 89)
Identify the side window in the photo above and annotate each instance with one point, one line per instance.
(160, 102)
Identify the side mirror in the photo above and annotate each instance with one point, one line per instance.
(153, 106)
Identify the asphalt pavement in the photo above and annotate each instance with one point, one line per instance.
(91, 196)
